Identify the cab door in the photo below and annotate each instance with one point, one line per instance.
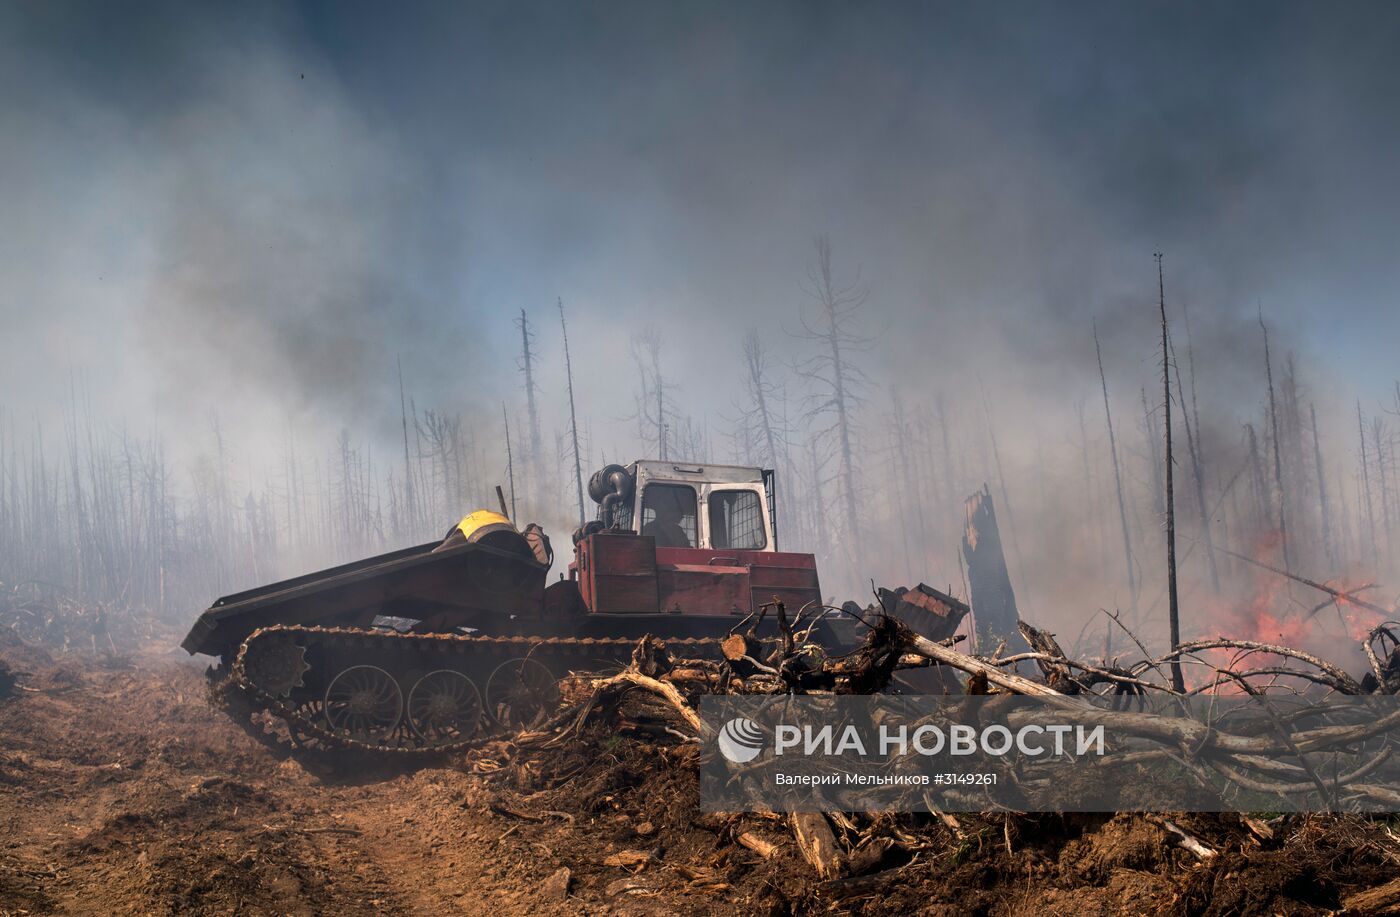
(735, 518)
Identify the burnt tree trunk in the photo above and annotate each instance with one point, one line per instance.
(1278, 454)
(534, 473)
(1383, 483)
(1258, 484)
(573, 415)
(1324, 511)
(1366, 484)
(1118, 487)
(993, 600)
(1173, 606)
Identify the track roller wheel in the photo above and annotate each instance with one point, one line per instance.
(364, 702)
(520, 691)
(444, 706)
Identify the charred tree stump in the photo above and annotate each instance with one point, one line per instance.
(993, 600)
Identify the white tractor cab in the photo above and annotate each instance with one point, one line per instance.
(685, 539)
(709, 507)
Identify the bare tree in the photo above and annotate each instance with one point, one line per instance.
(946, 445)
(1259, 485)
(760, 391)
(443, 434)
(1366, 483)
(1118, 483)
(1001, 482)
(835, 380)
(655, 413)
(1278, 457)
(573, 414)
(410, 507)
(819, 533)
(1173, 608)
(527, 367)
(691, 439)
(1377, 427)
(1324, 511)
(1193, 449)
(909, 501)
(510, 462)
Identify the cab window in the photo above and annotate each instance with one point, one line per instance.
(736, 521)
(669, 515)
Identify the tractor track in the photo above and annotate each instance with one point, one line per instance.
(435, 651)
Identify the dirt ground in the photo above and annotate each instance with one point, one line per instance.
(123, 790)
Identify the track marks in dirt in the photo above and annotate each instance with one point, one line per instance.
(124, 791)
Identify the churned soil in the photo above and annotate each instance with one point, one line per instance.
(125, 790)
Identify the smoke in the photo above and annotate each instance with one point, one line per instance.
(255, 214)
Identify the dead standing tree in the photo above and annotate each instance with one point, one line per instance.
(573, 415)
(1118, 484)
(1259, 487)
(1193, 449)
(1324, 511)
(835, 380)
(1173, 609)
(534, 474)
(655, 412)
(1366, 483)
(510, 461)
(1001, 478)
(764, 430)
(446, 474)
(760, 392)
(1377, 428)
(1278, 455)
(910, 502)
(409, 503)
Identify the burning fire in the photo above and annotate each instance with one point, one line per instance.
(1278, 611)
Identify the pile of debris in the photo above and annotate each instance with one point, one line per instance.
(617, 736)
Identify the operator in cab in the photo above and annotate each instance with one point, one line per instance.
(665, 526)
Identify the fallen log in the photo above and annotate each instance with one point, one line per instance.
(758, 844)
(974, 666)
(1176, 731)
(1336, 675)
(1383, 899)
(737, 646)
(817, 843)
(663, 688)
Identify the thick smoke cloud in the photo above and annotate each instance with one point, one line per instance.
(255, 213)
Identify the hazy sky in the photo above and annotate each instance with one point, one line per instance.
(255, 209)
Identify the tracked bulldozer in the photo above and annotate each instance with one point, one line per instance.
(436, 647)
